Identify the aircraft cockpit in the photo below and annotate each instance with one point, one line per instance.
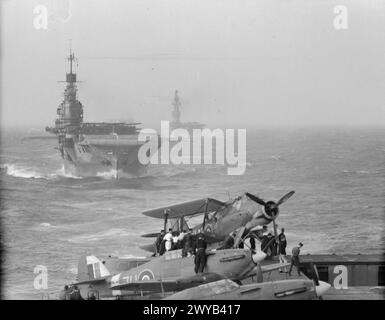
(221, 286)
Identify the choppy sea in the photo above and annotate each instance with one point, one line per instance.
(50, 217)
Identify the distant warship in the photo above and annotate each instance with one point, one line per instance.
(176, 123)
(92, 148)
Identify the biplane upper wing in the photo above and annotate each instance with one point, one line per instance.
(183, 209)
(167, 285)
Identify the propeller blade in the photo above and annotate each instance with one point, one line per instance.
(256, 199)
(285, 198)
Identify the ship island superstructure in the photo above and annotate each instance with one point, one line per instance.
(176, 116)
(89, 149)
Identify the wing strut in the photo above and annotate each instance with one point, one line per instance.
(205, 216)
(165, 219)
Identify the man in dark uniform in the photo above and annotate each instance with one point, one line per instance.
(187, 243)
(200, 255)
(65, 294)
(295, 258)
(158, 243)
(282, 243)
(267, 245)
(75, 294)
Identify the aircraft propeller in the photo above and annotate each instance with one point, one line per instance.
(271, 207)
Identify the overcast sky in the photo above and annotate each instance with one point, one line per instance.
(234, 62)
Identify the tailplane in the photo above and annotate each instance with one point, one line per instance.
(91, 268)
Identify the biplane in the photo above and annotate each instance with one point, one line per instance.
(219, 218)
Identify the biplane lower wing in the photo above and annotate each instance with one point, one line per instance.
(150, 235)
(189, 208)
(148, 247)
(168, 285)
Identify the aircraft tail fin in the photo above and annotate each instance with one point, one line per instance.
(91, 268)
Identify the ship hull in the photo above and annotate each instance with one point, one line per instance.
(99, 156)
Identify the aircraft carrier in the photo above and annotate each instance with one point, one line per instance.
(89, 149)
(176, 115)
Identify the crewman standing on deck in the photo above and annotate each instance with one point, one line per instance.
(200, 255)
(181, 239)
(158, 243)
(282, 243)
(295, 258)
(168, 238)
(65, 293)
(188, 244)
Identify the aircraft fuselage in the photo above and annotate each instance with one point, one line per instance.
(231, 263)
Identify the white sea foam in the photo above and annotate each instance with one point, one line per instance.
(21, 172)
(45, 224)
(107, 174)
(62, 173)
(274, 157)
(73, 270)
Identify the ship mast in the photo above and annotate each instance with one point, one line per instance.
(71, 76)
(176, 112)
(70, 111)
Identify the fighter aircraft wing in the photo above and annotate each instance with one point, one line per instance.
(167, 285)
(275, 266)
(189, 208)
(267, 268)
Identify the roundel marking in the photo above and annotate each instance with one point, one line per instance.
(146, 274)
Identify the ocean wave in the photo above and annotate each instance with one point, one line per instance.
(21, 172)
(18, 171)
(276, 157)
(62, 173)
(45, 224)
(356, 172)
(73, 270)
(43, 227)
(107, 174)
